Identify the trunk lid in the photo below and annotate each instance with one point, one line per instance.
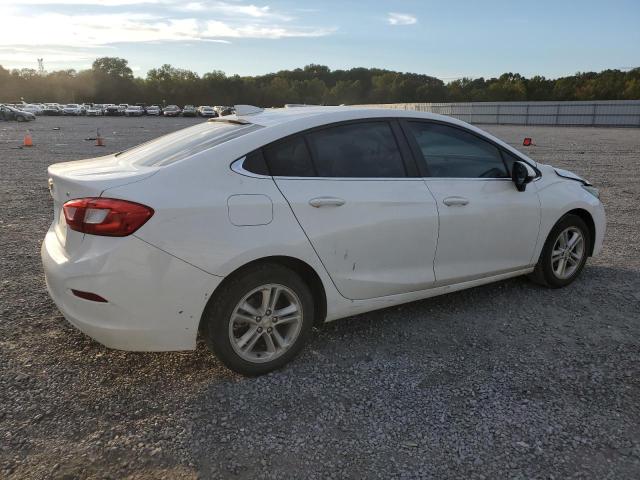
(86, 178)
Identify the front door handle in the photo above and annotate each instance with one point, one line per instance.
(455, 201)
(326, 202)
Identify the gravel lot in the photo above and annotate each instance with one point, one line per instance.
(509, 380)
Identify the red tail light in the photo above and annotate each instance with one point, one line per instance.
(105, 216)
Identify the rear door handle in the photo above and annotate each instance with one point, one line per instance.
(326, 202)
(455, 201)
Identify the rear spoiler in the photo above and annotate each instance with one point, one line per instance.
(236, 121)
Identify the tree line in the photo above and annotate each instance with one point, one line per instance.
(110, 79)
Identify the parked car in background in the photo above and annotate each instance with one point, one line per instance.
(206, 111)
(52, 109)
(12, 113)
(134, 111)
(94, 110)
(122, 108)
(189, 111)
(111, 109)
(171, 111)
(34, 108)
(73, 109)
(350, 210)
(154, 110)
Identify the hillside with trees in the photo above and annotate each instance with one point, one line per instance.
(110, 79)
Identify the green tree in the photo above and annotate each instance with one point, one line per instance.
(110, 79)
(113, 79)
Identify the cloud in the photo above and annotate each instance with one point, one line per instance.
(235, 10)
(103, 3)
(98, 30)
(220, 29)
(75, 35)
(401, 19)
(82, 30)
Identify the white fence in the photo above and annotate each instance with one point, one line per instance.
(611, 113)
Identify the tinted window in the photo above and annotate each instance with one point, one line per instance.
(254, 163)
(289, 158)
(509, 158)
(366, 149)
(452, 152)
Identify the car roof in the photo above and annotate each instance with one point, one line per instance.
(281, 119)
(276, 116)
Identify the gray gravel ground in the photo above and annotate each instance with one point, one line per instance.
(509, 380)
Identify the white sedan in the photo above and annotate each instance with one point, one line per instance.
(134, 111)
(253, 227)
(73, 109)
(34, 108)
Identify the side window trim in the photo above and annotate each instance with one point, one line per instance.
(410, 164)
(311, 155)
(238, 167)
(418, 157)
(415, 164)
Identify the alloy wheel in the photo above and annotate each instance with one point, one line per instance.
(265, 323)
(567, 253)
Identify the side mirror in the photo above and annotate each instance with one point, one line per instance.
(521, 174)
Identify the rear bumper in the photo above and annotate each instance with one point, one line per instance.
(154, 301)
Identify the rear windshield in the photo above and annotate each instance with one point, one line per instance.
(179, 145)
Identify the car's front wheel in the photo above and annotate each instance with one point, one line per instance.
(564, 253)
(259, 319)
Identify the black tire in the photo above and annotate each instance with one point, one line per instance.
(217, 316)
(544, 273)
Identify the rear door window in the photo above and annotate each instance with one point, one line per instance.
(290, 158)
(362, 150)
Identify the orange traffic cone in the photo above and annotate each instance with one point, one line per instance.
(28, 141)
(99, 139)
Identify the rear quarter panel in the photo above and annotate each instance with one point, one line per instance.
(192, 221)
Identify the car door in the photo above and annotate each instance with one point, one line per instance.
(358, 197)
(486, 225)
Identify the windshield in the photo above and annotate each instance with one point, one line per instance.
(184, 143)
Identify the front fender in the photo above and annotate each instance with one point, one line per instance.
(558, 197)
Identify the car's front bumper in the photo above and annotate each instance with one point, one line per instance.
(600, 222)
(154, 300)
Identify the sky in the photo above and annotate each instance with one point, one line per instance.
(447, 39)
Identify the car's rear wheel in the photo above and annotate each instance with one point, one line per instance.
(259, 319)
(564, 253)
